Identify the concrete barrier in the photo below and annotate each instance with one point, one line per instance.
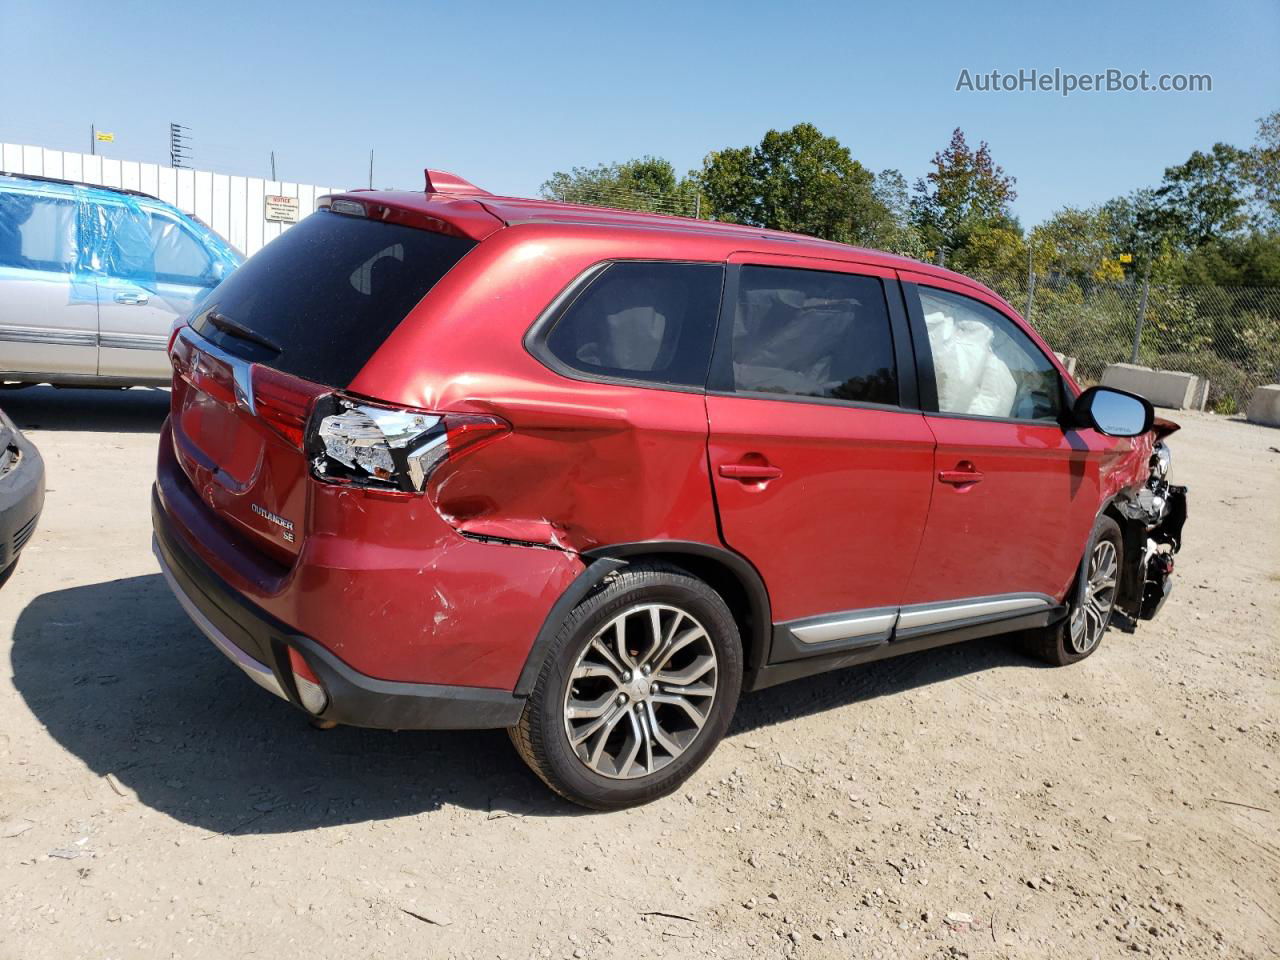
(1264, 406)
(1164, 388)
(1201, 399)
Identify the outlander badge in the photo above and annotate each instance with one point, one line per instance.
(285, 525)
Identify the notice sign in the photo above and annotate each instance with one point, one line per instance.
(280, 209)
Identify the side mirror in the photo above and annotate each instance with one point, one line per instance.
(1113, 412)
(218, 272)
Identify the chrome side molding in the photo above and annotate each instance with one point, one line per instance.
(920, 615)
(854, 629)
(848, 627)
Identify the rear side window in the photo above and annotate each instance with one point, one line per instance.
(318, 300)
(646, 321)
(811, 333)
(37, 233)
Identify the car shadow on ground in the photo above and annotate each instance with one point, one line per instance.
(119, 677)
(137, 410)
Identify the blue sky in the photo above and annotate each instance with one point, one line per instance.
(506, 93)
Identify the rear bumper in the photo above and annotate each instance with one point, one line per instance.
(21, 496)
(259, 644)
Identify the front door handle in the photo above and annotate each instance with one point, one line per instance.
(748, 472)
(132, 297)
(964, 474)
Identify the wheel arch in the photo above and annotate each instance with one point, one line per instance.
(728, 573)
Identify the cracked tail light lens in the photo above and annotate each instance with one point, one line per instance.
(390, 448)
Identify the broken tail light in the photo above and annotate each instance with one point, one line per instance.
(382, 447)
(283, 402)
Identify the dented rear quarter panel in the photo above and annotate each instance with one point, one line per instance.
(385, 584)
(586, 463)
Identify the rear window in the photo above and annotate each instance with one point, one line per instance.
(318, 300)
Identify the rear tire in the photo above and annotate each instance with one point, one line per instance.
(638, 688)
(1080, 633)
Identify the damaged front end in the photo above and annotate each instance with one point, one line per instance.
(1154, 517)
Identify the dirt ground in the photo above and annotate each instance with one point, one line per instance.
(959, 803)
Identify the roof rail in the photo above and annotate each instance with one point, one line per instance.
(78, 183)
(441, 181)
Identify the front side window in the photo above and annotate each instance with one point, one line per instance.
(984, 365)
(640, 320)
(179, 256)
(812, 333)
(37, 233)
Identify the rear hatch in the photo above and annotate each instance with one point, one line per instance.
(298, 320)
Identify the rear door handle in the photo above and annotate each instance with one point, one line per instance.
(132, 297)
(750, 471)
(962, 476)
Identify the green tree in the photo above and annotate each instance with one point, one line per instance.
(798, 180)
(1201, 199)
(646, 183)
(1247, 260)
(1085, 244)
(1262, 170)
(965, 195)
(897, 234)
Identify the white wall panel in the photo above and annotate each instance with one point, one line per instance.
(232, 206)
(53, 164)
(130, 175)
(220, 208)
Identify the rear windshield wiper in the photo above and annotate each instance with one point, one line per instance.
(240, 331)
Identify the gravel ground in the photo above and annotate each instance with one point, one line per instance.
(960, 803)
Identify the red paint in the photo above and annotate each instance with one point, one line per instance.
(838, 507)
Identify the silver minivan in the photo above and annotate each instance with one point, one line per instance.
(93, 279)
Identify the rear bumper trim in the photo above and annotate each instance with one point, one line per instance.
(233, 623)
(258, 672)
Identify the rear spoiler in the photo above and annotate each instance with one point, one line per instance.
(441, 181)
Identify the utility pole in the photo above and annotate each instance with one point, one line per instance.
(179, 145)
(370, 169)
(93, 140)
(1142, 315)
(273, 164)
(1031, 285)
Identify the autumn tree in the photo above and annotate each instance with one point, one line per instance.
(963, 205)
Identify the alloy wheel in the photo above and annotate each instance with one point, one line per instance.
(641, 691)
(1089, 620)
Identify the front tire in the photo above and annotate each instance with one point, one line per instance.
(638, 688)
(1080, 634)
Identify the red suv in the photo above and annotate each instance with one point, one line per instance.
(451, 460)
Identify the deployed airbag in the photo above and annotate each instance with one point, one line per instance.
(971, 377)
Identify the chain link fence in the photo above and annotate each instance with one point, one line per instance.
(1228, 336)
